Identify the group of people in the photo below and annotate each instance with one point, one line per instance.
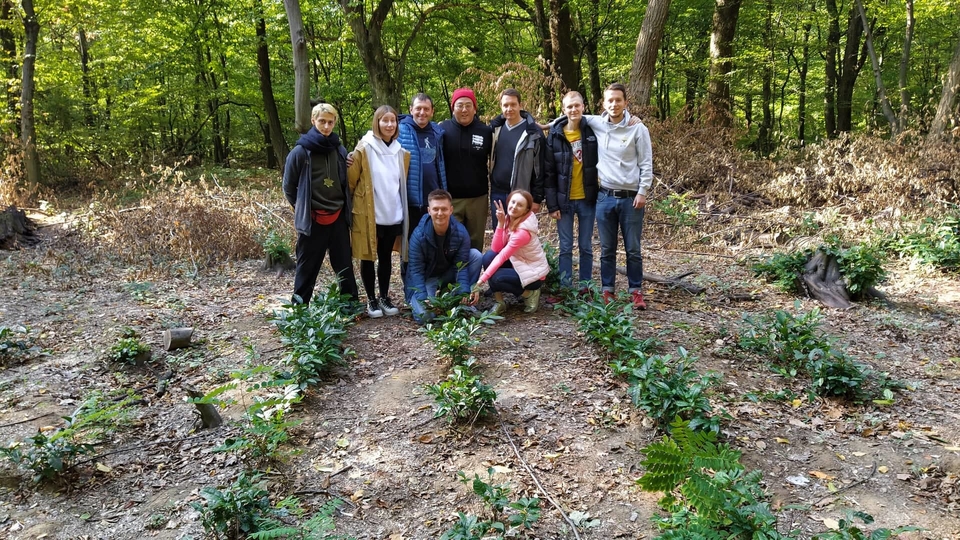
(426, 191)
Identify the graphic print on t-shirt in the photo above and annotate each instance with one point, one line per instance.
(477, 141)
(577, 146)
(428, 153)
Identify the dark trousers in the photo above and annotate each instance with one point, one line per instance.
(311, 250)
(386, 236)
(506, 279)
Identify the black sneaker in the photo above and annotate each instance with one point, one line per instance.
(387, 307)
(373, 309)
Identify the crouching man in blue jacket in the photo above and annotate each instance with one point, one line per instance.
(440, 254)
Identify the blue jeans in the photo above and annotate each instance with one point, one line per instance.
(435, 283)
(613, 216)
(585, 213)
(494, 197)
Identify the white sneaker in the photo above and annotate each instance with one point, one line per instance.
(373, 309)
(387, 307)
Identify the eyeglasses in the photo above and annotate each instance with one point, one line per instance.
(463, 106)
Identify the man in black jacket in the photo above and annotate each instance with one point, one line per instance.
(571, 186)
(466, 152)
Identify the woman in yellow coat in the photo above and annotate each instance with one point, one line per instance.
(377, 176)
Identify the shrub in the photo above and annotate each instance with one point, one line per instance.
(783, 270)
(463, 395)
(452, 334)
(503, 517)
(15, 343)
(128, 350)
(861, 266)
(679, 209)
(313, 335)
(935, 242)
(237, 510)
(847, 530)
(666, 388)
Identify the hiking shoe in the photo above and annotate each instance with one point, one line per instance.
(387, 307)
(499, 308)
(637, 298)
(373, 309)
(608, 297)
(531, 301)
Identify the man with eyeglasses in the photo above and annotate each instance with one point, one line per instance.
(466, 151)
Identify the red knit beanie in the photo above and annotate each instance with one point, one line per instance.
(464, 93)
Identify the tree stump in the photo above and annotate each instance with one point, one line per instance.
(209, 417)
(16, 229)
(821, 276)
(176, 338)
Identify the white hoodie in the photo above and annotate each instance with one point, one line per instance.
(626, 155)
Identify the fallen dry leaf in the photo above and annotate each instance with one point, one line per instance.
(883, 469)
(781, 440)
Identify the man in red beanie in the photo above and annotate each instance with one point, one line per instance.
(466, 151)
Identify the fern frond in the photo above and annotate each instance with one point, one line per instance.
(666, 466)
(704, 496)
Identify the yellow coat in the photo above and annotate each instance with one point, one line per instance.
(363, 234)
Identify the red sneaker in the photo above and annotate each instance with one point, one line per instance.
(638, 302)
(608, 297)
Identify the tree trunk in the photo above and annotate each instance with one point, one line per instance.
(877, 75)
(693, 88)
(277, 140)
(719, 105)
(851, 64)
(905, 66)
(8, 57)
(831, 70)
(765, 134)
(561, 41)
(802, 69)
(593, 59)
(369, 39)
(85, 78)
(644, 66)
(28, 130)
(301, 66)
(950, 87)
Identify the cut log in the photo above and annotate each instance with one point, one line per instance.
(16, 229)
(821, 276)
(209, 417)
(176, 338)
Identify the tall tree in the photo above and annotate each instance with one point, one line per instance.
(877, 75)
(905, 64)
(644, 65)
(301, 66)
(28, 130)
(719, 104)
(951, 85)
(562, 37)
(274, 131)
(8, 56)
(842, 71)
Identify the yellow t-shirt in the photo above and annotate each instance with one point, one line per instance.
(576, 176)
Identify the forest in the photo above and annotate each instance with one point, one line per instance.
(795, 376)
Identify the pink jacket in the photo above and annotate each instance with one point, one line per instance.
(522, 247)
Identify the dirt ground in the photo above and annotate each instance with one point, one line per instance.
(563, 422)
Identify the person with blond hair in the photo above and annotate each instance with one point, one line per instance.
(377, 176)
(516, 262)
(315, 185)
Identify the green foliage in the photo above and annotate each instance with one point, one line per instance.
(666, 388)
(706, 490)
(680, 209)
(276, 246)
(552, 282)
(313, 336)
(796, 346)
(504, 517)
(936, 242)
(783, 270)
(861, 266)
(50, 455)
(127, 349)
(264, 433)
(237, 510)
(47, 456)
(847, 529)
(15, 343)
(319, 526)
(453, 334)
(463, 395)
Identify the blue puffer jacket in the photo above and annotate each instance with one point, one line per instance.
(559, 164)
(408, 140)
(424, 253)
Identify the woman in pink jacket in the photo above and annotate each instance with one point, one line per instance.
(516, 262)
